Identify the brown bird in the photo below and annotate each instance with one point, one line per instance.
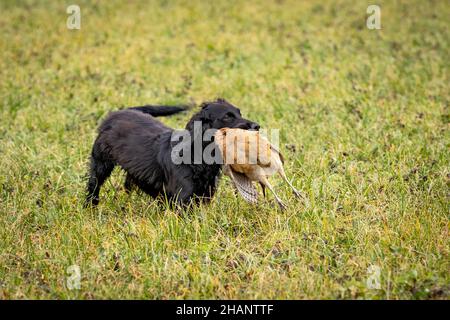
(248, 156)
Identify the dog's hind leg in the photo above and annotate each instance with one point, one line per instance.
(100, 170)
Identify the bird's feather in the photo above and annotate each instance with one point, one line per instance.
(244, 185)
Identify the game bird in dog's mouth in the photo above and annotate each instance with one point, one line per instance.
(248, 156)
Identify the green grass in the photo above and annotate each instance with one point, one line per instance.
(364, 118)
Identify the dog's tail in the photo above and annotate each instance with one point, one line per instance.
(160, 111)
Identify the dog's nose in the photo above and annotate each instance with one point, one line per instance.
(254, 126)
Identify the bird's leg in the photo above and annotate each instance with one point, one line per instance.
(297, 193)
(263, 187)
(266, 183)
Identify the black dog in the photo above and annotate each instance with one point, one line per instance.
(142, 146)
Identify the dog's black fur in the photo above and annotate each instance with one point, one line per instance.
(142, 146)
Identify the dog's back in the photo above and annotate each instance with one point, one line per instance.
(127, 120)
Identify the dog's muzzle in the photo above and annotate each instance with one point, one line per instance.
(249, 126)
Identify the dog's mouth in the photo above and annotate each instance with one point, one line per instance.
(251, 126)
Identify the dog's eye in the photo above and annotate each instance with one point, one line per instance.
(229, 115)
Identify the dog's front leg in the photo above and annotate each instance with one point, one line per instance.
(129, 184)
(184, 193)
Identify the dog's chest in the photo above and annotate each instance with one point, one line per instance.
(205, 179)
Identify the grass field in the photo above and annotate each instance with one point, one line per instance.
(364, 118)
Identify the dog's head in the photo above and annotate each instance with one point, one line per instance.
(221, 114)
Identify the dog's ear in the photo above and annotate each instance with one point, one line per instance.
(218, 100)
(225, 102)
(203, 116)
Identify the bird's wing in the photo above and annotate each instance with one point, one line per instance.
(244, 185)
(266, 152)
(277, 151)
